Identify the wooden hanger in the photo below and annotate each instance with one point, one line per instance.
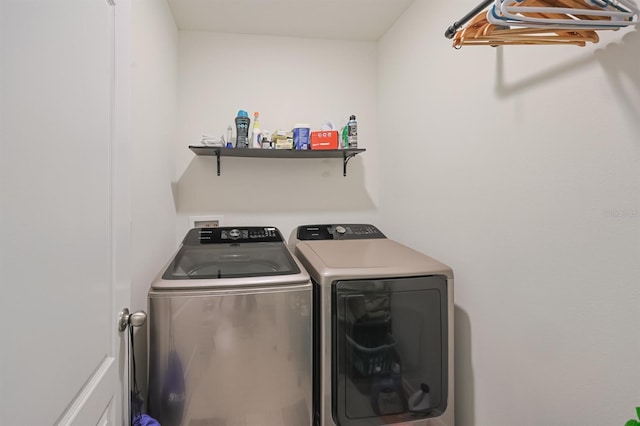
(480, 31)
(533, 37)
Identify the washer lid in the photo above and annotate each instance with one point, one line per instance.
(219, 253)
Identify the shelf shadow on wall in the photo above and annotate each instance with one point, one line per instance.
(271, 185)
(463, 369)
(617, 59)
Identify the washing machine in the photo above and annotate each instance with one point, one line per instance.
(383, 328)
(230, 332)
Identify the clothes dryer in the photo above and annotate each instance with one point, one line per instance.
(383, 328)
(230, 332)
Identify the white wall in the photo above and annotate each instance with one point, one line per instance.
(153, 132)
(154, 100)
(520, 167)
(288, 80)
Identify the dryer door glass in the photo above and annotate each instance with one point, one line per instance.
(390, 340)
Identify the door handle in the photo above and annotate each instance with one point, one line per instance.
(136, 319)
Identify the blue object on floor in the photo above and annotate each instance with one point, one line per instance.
(144, 420)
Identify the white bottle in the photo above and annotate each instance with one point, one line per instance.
(256, 134)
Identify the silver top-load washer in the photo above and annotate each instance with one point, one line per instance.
(230, 332)
(383, 328)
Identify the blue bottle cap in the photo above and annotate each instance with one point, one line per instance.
(242, 113)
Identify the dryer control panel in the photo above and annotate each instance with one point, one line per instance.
(338, 232)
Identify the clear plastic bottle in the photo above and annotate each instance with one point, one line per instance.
(229, 133)
(352, 132)
(256, 138)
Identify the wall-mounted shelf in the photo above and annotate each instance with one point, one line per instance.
(345, 154)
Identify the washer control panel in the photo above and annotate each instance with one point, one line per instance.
(251, 234)
(338, 232)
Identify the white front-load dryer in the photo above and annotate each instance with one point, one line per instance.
(382, 326)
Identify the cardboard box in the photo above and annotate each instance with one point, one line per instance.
(324, 139)
(284, 144)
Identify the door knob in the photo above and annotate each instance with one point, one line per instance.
(136, 319)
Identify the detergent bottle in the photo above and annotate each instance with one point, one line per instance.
(256, 133)
(242, 129)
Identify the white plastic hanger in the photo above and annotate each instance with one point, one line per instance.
(618, 14)
(596, 14)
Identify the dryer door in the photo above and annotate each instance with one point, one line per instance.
(390, 345)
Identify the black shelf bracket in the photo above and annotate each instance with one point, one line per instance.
(218, 160)
(345, 159)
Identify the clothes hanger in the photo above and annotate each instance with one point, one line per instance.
(520, 13)
(575, 4)
(605, 8)
(588, 35)
(545, 38)
(496, 17)
(615, 15)
(480, 31)
(503, 37)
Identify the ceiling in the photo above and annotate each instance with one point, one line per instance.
(365, 20)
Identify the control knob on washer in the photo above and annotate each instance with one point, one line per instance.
(340, 229)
